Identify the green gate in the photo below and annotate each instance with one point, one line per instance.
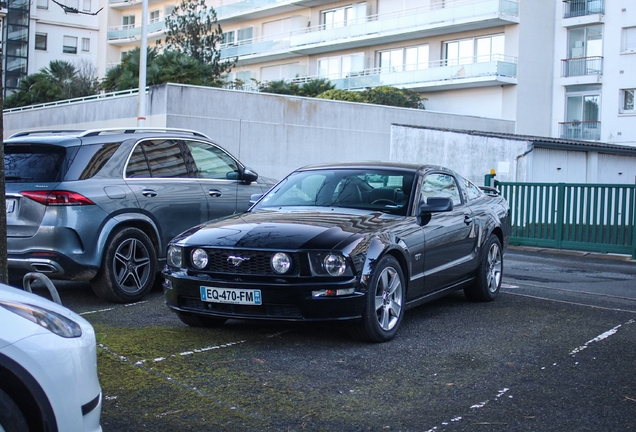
(589, 217)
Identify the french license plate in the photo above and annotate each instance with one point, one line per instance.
(10, 205)
(231, 295)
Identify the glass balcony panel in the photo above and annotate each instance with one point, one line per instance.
(406, 20)
(435, 72)
(577, 8)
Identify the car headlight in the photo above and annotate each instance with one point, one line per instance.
(199, 258)
(52, 321)
(335, 264)
(281, 262)
(175, 256)
(329, 264)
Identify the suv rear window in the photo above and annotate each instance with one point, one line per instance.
(33, 163)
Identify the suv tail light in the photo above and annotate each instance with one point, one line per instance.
(57, 198)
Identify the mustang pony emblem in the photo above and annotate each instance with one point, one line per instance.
(237, 260)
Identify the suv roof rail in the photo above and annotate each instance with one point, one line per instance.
(46, 132)
(131, 130)
(96, 132)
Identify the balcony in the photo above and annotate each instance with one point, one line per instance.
(580, 130)
(228, 11)
(405, 25)
(578, 8)
(127, 33)
(582, 66)
(467, 73)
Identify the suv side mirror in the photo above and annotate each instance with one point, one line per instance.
(249, 176)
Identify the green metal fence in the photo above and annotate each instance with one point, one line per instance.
(589, 217)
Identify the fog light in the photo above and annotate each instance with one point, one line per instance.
(199, 258)
(281, 262)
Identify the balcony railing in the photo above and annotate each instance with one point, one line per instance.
(436, 73)
(133, 32)
(374, 26)
(581, 130)
(577, 8)
(582, 66)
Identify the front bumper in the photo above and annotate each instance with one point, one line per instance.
(280, 301)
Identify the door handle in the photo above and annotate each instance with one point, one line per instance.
(215, 193)
(468, 220)
(149, 193)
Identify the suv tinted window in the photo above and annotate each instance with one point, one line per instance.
(34, 163)
(157, 158)
(211, 162)
(90, 159)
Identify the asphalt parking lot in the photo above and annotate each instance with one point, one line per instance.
(555, 352)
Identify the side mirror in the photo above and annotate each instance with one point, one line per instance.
(436, 205)
(254, 198)
(249, 176)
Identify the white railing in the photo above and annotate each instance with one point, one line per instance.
(408, 20)
(121, 93)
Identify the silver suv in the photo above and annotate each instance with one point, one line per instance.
(101, 205)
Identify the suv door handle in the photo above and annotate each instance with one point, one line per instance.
(149, 193)
(215, 193)
(468, 220)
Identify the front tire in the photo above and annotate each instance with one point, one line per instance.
(194, 320)
(384, 307)
(489, 275)
(11, 418)
(129, 267)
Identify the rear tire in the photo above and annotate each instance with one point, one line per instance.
(385, 300)
(129, 267)
(194, 320)
(489, 275)
(11, 418)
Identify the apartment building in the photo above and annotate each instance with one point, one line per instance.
(462, 55)
(564, 69)
(595, 71)
(36, 32)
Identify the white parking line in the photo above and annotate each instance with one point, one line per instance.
(505, 390)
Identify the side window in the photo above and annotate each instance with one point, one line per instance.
(158, 159)
(211, 162)
(472, 191)
(440, 185)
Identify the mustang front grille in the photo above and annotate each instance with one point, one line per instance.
(245, 262)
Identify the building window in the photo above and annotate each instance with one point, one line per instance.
(343, 16)
(40, 41)
(475, 50)
(627, 101)
(340, 67)
(582, 113)
(86, 5)
(42, 4)
(154, 16)
(404, 59)
(228, 38)
(585, 42)
(281, 72)
(70, 45)
(128, 22)
(629, 40)
(86, 44)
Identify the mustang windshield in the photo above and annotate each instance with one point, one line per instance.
(369, 189)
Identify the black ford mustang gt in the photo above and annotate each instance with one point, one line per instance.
(354, 242)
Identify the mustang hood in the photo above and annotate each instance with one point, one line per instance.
(270, 229)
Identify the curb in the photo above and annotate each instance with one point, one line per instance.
(574, 253)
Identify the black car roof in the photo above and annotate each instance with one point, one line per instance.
(374, 164)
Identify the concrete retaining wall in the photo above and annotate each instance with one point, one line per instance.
(272, 134)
